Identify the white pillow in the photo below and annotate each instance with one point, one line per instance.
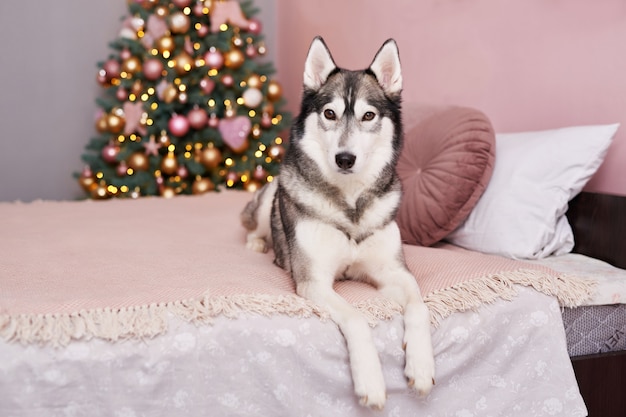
(522, 212)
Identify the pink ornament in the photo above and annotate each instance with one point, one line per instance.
(207, 85)
(254, 26)
(112, 68)
(214, 59)
(232, 176)
(213, 121)
(156, 27)
(122, 169)
(182, 171)
(125, 54)
(197, 118)
(203, 30)
(228, 80)
(259, 174)
(178, 125)
(181, 4)
(101, 77)
(266, 120)
(198, 9)
(235, 132)
(121, 94)
(109, 153)
(250, 51)
(87, 172)
(153, 69)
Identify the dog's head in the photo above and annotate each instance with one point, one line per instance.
(350, 121)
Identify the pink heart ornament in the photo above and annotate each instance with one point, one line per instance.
(235, 131)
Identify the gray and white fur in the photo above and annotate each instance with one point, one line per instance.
(330, 214)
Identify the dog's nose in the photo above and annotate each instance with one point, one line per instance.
(345, 160)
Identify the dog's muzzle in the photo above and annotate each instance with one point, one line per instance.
(345, 160)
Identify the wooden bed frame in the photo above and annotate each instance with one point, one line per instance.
(599, 225)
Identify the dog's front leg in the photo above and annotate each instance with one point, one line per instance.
(419, 360)
(367, 374)
(384, 264)
(320, 251)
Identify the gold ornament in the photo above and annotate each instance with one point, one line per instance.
(165, 44)
(88, 183)
(268, 109)
(164, 140)
(256, 131)
(183, 63)
(210, 157)
(252, 186)
(148, 4)
(101, 124)
(254, 81)
(169, 164)
(274, 90)
(100, 192)
(161, 11)
(138, 161)
(137, 88)
(229, 112)
(237, 41)
(168, 192)
(276, 152)
(115, 123)
(179, 23)
(131, 65)
(170, 93)
(136, 193)
(202, 185)
(234, 59)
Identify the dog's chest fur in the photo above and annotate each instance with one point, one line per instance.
(356, 216)
(351, 206)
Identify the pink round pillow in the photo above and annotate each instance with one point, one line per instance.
(445, 166)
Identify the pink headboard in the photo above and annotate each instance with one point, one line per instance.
(529, 65)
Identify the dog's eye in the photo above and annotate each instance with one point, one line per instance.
(369, 115)
(330, 114)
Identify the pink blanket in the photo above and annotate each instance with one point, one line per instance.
(119, 268)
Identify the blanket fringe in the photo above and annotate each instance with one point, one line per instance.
(570, 291)
(151, 320)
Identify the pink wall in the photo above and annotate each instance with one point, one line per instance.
(531, 64)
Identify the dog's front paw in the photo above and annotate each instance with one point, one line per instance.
(256, 244)
(420, 371)
(369, 385)
(372, 393)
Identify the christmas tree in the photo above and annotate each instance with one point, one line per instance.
(187, 105)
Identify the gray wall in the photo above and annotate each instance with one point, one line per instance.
(48, 89)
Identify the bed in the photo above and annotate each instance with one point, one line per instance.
(154, 307)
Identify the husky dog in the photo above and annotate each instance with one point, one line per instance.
(330, 213)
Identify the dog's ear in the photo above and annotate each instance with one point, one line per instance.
(386, 67)
(319, 64)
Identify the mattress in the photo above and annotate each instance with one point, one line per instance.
(595, 329)
(599, 327)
